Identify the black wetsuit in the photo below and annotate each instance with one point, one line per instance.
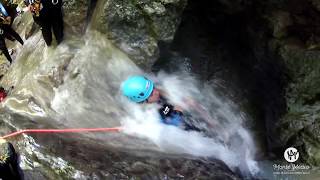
(9, 168)
(9, 32)
(166, 109)
(5, 32)
(50, 18)
(173, 117)
(3, 46)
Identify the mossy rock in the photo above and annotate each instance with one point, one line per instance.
(137, 26)
(75, 13)
(300, 126)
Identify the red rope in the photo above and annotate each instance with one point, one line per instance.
(114, 129)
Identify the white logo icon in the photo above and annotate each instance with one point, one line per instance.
(291, 154)
(166, 110)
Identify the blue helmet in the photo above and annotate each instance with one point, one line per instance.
(137, 88)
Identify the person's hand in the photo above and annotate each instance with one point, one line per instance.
(177, 108)
(8, 20)
(31, 8)
(190, 102)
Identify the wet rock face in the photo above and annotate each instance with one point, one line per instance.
(132, 23)
(300, 126)
(298, 47)
(231, 46)
(267, 52)
(117, 164)
(75, 13)
(137, 26)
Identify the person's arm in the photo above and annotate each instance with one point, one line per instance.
(202, 111)
(211, 122)
(33, 8)
(7, 20)
(176, 108)
(3, 10)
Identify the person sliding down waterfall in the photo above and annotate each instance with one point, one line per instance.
(140, 89)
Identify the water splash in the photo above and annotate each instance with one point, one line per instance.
(232, 143)
(83, 91)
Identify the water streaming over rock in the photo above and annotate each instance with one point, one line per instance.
(76, 84)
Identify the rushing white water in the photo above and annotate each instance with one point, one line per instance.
(90, 97)
(77, 84)
(232, 144)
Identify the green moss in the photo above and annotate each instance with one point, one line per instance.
(300, 124)
(149, 22)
